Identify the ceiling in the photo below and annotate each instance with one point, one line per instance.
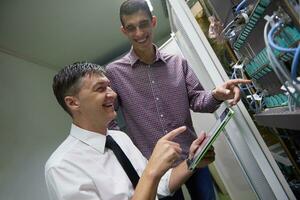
(54, 33)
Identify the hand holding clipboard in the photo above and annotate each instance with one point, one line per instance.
(210, 138)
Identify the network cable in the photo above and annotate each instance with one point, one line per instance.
(272, 43)
(240, 5)
(276, 65)
(296, 51)
(256, 104)
(240, 19)
(295, 65)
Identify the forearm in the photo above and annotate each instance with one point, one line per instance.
(146, 188)
(204, 101)
(179, 176)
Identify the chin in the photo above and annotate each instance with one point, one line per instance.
(113, 115)
(110, 116)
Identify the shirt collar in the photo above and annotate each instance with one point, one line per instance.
(93, 139)
(133, 58)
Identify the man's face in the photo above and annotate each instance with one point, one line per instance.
(138, 28)
(96, 99)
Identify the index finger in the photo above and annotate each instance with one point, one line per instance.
(238, 81)
(172, 134)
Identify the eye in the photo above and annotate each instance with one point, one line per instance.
(144, 24)
(100, 89)
(130, 28)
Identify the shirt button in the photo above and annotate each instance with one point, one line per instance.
(161, 115)
(152, 82)
(157, 98)
(166, 131)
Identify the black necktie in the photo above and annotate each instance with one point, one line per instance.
(123, 160)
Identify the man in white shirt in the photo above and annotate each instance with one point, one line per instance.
(82, 168)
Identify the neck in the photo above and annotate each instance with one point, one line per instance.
(146, 55)
(90, 126)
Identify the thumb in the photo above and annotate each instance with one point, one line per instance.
(225, 91)
(221, 92)
(196, 143)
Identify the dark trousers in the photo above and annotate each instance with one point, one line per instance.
(199, 185)
(178, 195)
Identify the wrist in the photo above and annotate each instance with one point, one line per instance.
(188, 162)
(151, 174)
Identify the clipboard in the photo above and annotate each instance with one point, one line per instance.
(211, 136)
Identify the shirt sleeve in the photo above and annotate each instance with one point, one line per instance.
(199, 99)
(69, 184)
(163, 186)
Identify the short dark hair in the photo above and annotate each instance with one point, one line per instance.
(67, 81)
(130, 7)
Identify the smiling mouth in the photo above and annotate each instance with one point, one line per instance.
(141, 41)
(107, 105)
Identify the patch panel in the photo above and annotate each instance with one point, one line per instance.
(257, 14)
(277, 100)
(259, 66)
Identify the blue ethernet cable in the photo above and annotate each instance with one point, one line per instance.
(276, 65)
(240, 6)
(296, 51)
(272, 43)
(295, 65)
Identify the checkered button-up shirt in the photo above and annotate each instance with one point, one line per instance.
(157, 98)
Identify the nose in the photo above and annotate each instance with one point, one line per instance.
(138, 31)
(110, 93)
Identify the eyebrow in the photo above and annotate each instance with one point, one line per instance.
(142, 21)
(145, 20)
(101, 83)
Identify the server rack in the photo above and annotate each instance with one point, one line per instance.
(243, 142)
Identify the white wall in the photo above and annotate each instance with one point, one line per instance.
(32, 125)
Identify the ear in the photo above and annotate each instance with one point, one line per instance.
(72, 103)
(123, 30)
(154, 21)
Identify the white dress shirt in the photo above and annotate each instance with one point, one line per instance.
(82, 168)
